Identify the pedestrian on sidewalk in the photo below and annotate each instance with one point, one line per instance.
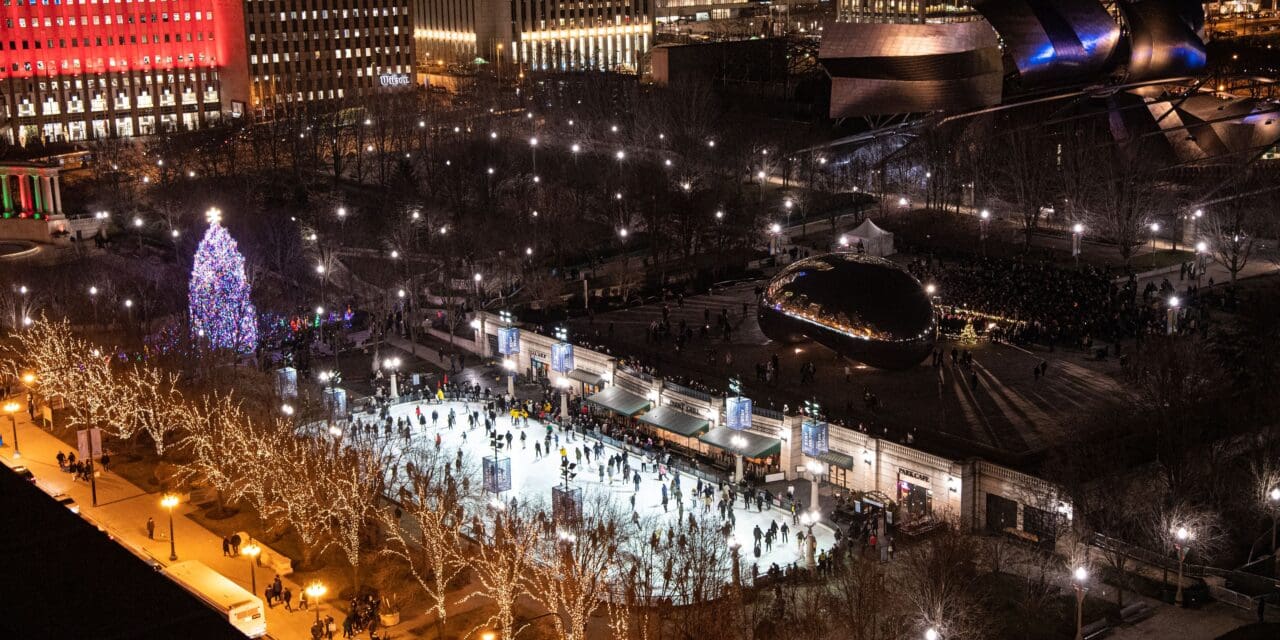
(235, 545)
(302, 601)
(151, 529)
(288, 599)
(226, 546)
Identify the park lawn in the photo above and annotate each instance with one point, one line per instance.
(1011, 617)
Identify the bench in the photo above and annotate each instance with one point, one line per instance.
(1135, 612)
(268, 557)
(1095, 629)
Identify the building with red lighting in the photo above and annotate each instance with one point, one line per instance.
(84, 69)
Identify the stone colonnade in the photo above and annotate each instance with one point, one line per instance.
(30, 191)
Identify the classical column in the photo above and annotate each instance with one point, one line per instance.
(24, 194)
(57, 195)
(4, 193)
(46, 193)
(37, 194)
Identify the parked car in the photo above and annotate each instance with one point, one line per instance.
(68, 502)
(25, 472)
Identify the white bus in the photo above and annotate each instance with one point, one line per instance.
(243, 609)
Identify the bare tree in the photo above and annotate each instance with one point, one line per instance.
(578, 565)
(504, 556)
(937, 580)
(1121, 192)
(1022, 167)
(429, 536)
(1229, 232)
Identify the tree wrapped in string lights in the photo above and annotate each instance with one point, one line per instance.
(218, 297)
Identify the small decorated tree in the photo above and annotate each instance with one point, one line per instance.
(221, 312)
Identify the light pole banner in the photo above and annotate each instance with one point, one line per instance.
(335, 400)
(89, 443)
(562, 357)
(813, 438)
(287, 382)
(497, 474)
(737, 413)
(566, 506)
(508, 341)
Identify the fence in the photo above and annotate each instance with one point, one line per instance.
(683, 390)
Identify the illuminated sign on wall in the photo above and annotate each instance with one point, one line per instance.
(394, 80)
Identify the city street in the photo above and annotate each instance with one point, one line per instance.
(122, 513)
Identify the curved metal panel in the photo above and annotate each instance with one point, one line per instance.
(901, 68)
(862, 307)
(1163, 41)
(1206, 126)
(1054, 40)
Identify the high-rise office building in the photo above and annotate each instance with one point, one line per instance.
(79, 69)
(325, 51)
(540, 35)
(906, 11)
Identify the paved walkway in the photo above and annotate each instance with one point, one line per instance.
(1201, 623)
(122, 512)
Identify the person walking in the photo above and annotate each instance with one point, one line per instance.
(226, 546)
(235, 545)
(151, 529)
(288, 599)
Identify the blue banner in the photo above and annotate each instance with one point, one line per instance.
(813, 438)
(497, 474)
(737, 413)
(508, 341)
(562, 357)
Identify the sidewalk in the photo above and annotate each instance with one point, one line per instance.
(123, 510)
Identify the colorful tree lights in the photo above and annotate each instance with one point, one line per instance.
(218, 296)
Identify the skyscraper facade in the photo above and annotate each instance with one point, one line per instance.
(541, 35)
(80, 69)
(325, 51)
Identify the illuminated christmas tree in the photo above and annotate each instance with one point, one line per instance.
(218, 296)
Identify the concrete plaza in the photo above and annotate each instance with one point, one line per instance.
(1008, 414)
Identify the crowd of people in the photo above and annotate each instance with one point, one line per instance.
(1027, 301)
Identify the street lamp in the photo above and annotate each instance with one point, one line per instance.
(1181, 540)
(1080, 575)
(315, 591)
(984, 220)
(251, 552)
(808, 519)
(1155, 228)
(1076, 232)
(1274, 495)
(739, 444)
(816, 470)
(169, 501)
(931, 634)
(392, 364)
(12, 408)
(734, 547)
